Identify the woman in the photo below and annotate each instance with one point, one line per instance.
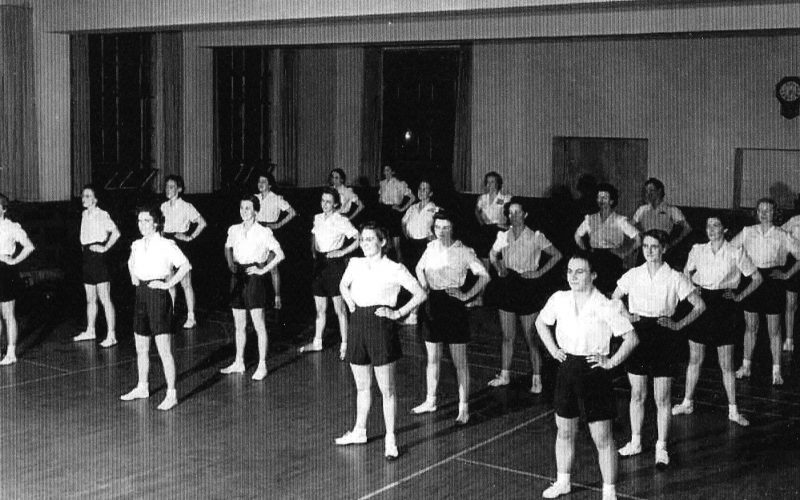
(179, 215)
(350, 206)
(369, 287)
(328, 247)
(654, 290)
(98, 235)
(394, 198)
(251, 252)
(489, 212)
(606, 231)
(443, 270)
(768, 246)
(792, 226)
(417, 223)
(519, 292)
(11, 235)
(274, 214)
(156, 264)
(716, 267)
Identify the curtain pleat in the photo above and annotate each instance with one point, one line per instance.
(462, 154)
(286, 170)
(371, 114)
(80, 112)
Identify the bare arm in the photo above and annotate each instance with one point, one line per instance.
(199, 228)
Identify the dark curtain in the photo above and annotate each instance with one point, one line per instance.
(462, 154)
(19, 173)
(287, 166)
(371, 116)
(170, 53)
(80, 113)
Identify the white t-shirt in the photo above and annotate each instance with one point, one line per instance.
(11, 233)
(330, 232)
(377, 283)
(720, 270)
(418, 220)
(492, 207)
(521, 254)
(609, 233)
(657, 296)
(96, 225)
(446, 267)
(251, 246)
(178, 215)
(154, 258)
(768, 249)
(271, 207)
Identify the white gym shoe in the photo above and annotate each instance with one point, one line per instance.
(662, 458)
(352, 437)
(556, 490)
(499, 381)
(685, 408)
(630, 449)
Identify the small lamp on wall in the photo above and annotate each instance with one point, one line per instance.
(788, 93)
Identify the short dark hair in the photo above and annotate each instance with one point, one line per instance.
(155, 212)
(443, 215)
(497, 177)
(267, 175)
(769, 200)
(613, 194)
(515, 200)
(337, 199)
(656, 184)
(380, 232)
(252, 199)
(338, 171)
(178, 182)
(584, 255)
(659, 235)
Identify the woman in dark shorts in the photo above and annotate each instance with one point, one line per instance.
(369, 287)
(98, 235)
(156, 264)
(716, 268)
(489, 212)
(11, 235)
(654, 290)
(251, 252)
(443, 270)
(519, 292)
(768, 246)
(330, 249)
(394, 198)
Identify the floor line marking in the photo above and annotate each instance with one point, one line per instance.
(43, 365)
(456, 455)
(540, 476)
(100, 367)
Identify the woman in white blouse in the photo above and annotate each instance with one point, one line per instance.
(394, 198)
(98, 235)
(330, 249)
(716, 268)
(179, 215)
(156, 264)
(654, 290)
(369, 287)
(417, 225)
(274, 214)
(443, 271)
(251, 252)
(11, 235)
(519, 293)
(768, 246)
(607, 232)
(792, 226)
(350, 205)
(489, 212)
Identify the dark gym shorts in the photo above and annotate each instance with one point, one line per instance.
(95, 267)
(518, 295)
(9, 283)
(248, 291)
(719, 324)
(577, 384)
(152, 311)
(413, 250)
(371, 340)
(327, 276)
(389, 218)
(187, 247)
(658, 351)
(444, 319)
(769, 297)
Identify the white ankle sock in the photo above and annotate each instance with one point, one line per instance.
(609, 489)
(661, 445)
(732, 410)
(563, 478)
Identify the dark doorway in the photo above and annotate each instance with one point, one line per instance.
(242, 80)
(621, 162)
(419, 106)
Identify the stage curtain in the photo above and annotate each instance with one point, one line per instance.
(462, 154)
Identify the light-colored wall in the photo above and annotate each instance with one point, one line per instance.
(695, 100)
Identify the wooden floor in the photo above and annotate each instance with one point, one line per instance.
(65, 433)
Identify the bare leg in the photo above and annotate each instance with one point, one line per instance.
(636, 410)
(276, 286)
(662, 393)
(751, 327)
(697, 353)
(91, 312)
(321, 304)
(9, 314)
(528, 327)
(774, 330)
(725, 354)
(459, 354)
(188, 291)
(141, 390)
(791, 310)
(164, 347)
(434, 351)
(104, 293)
(341, 315)
(240, 337)
(257, 316)
(508, 325)
(565, 443)
(606, 454)
(362, 374)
